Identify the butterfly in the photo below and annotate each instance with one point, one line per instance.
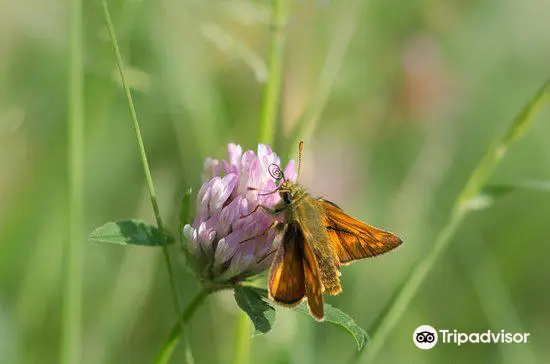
(314, 240)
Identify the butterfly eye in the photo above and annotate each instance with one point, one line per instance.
(287, 198)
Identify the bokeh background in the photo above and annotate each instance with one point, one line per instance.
(421, 89)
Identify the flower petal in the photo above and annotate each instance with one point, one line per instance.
(234, 161)
(193, 244)
(249, 175)
(235, 152)
(211, 169)
(203, 197)
(221, 191)
(206, 237)
(227, 243)
(231, 213)
(239, 264)
(266, 156)
(289, 172)
(224, 251)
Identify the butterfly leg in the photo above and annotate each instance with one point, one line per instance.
(266, 256)
(269, 210)
(251, 212)
(279, 234)
(274, 223)
(277, 210)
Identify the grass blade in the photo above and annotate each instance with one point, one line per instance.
(143, 155)
(474, 185)
(272, 89)
(491, 159)
(72, 295)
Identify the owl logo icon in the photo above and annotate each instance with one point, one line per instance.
(425, 337)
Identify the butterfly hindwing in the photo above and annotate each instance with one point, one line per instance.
(314, 289)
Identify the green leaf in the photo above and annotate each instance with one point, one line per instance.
(135, 232)
(251, 300)
(343, 320)
(332, 316)
(486, 166)
(185, 204)
(531, 185)
(488, 195)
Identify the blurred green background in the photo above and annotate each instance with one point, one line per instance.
(422, 89)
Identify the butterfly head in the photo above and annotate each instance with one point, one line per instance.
(288, 190)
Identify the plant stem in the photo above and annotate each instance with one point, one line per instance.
(272, 89)
(143, 155)
(242, 347)
(476, 182)
(175, 334)
(72, 295)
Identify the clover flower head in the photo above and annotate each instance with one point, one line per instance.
(226, 242)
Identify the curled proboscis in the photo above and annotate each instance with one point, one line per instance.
(276, 172)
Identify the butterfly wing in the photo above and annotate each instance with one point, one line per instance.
(352, 239)
(314, 289)
(286, 276)
(311, 217)
(295, 273)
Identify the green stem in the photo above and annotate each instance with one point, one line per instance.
(272, 89)
(476, 182)
(177, 330)
(143, 155)
(243, 333)
(72, 295)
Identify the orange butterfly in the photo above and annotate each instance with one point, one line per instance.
(316, 238)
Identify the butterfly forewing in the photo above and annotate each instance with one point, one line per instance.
(352, 239)
(286, 278)
(311, 214)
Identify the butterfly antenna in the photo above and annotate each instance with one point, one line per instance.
(300, 148)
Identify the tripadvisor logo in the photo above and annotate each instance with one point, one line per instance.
(425, 337)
